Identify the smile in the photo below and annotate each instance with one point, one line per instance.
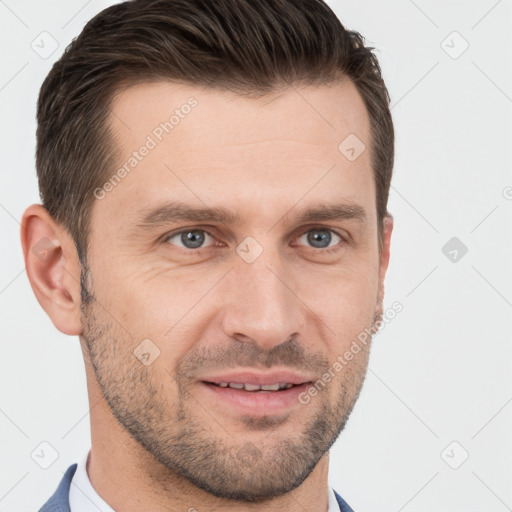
(254, 387)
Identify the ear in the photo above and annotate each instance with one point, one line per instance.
(53, 268)
(387, 229)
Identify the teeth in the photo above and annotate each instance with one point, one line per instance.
(252, 387)
(256, 387)
(269, 387)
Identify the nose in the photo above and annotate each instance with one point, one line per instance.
(261, 305)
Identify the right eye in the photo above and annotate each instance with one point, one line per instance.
(189, 238)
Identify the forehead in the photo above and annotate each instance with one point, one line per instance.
(311, 115)
(211, 147)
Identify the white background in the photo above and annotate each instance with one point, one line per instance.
(439, 372)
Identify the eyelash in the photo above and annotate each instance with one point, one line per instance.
(337, 247)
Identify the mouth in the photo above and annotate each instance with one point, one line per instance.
(255, 395)
(254, 388)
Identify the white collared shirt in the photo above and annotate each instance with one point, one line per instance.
(83, 497)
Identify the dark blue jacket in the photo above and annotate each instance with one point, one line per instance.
(59, 501)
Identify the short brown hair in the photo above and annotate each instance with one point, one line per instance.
(251, 48)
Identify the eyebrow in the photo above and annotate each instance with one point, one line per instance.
(173, 211)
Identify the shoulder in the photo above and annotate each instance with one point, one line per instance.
(59, 500)
(344, 506)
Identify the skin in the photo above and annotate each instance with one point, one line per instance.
(158, 441)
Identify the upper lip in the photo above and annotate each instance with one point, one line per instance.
(259, 378)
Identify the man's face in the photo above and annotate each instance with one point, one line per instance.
(181, 303)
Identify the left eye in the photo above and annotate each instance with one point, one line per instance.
(320, 238)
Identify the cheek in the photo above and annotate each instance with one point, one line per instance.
(344, 293)
(138, 295)
(345, 301)
(151, 311)
(167, 307)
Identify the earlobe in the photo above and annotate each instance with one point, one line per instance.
(386, 242)
(387, 229)
(52, 268)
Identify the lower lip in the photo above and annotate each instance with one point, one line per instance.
(257, 403)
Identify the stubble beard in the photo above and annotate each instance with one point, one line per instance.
(268, 466)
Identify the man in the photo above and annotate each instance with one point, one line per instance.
(214, 179)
